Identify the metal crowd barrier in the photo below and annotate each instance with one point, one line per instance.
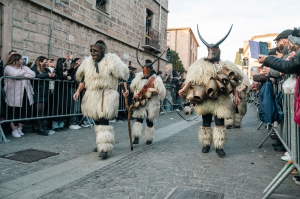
(57, 100)
(288, 133)
(175, 102)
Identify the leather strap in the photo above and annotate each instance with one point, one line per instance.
(102, 100)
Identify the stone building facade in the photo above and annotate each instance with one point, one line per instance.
(54, 28)
(183, 41)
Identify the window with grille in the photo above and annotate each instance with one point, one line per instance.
(101, 5)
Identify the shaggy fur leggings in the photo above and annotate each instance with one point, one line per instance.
(208, 118)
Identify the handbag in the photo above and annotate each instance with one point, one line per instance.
(289, 85)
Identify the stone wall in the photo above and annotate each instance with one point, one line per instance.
(43, 27)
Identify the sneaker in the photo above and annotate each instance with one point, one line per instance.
(297, 181)
(286, 153)
(74, 127)
(296, 177)
(112, 121)
(79, 127)
(177, 110)
(51, 132)
(285, 158)
(20, 131)
(85, 125)
(16, 134)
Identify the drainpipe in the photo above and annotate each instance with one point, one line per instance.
(159, 30)
(51, 28)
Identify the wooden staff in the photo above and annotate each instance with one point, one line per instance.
(128, 108)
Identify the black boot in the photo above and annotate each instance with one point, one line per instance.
(220, 152)
(228, 126)
(277, 143)
(103, 155)
(205, 149)
(136, 140)
(95, 150)
(39, 130)
(148, 142)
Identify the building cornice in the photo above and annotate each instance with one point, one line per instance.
(185, 28)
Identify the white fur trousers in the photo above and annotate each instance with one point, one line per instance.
(104, 138)
(137, 131)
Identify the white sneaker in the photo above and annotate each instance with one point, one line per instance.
(112, 121)
(16, 134)
(79, 127)
(51, 132)
(74, 127)
(286, 158)
(85, 125)
(286, 153)
(20, 131)
(177, 110)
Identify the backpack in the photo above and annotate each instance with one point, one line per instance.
(278, 104)
(267, 110)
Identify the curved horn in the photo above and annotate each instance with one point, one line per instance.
(137, 56)
(157, 58)
(203, 41)
(217, 44)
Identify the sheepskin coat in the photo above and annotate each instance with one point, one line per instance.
(199, 73)
(151, 110)
(111, 68)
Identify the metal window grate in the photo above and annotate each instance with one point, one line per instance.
(181, 193)
(29, 155)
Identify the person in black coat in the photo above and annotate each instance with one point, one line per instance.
(61, 95)
(41, 91)
(74, 105)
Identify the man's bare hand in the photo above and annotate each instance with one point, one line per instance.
(261, 58)
(180, 92)
(75, 96)
(126, 93)
(152, 90)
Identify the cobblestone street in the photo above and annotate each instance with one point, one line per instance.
(173, 161)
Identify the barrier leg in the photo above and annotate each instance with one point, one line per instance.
(2, 136)
(259, 125)
(265, 139)
(281, 176)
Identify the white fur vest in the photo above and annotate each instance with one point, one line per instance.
(104, 83)
(151, 110)
(199, 73)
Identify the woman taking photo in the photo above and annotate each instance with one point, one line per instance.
(19, 92)
(41, 90)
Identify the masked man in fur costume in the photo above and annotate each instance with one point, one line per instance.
(149, 90)
(209, 87)
(241, 109)
(99, 74)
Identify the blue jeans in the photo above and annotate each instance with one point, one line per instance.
(177, 102)
(167, 105)
(74, 108)
(57, 124)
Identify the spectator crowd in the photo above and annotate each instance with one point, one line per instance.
(281, 67)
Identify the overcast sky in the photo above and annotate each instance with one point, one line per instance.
(249, 18)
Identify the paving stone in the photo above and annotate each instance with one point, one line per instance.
(154, 171)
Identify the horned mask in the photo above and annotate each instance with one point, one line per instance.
(214, 51)
(147, 67)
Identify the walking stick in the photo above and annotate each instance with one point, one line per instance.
(128, 116)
